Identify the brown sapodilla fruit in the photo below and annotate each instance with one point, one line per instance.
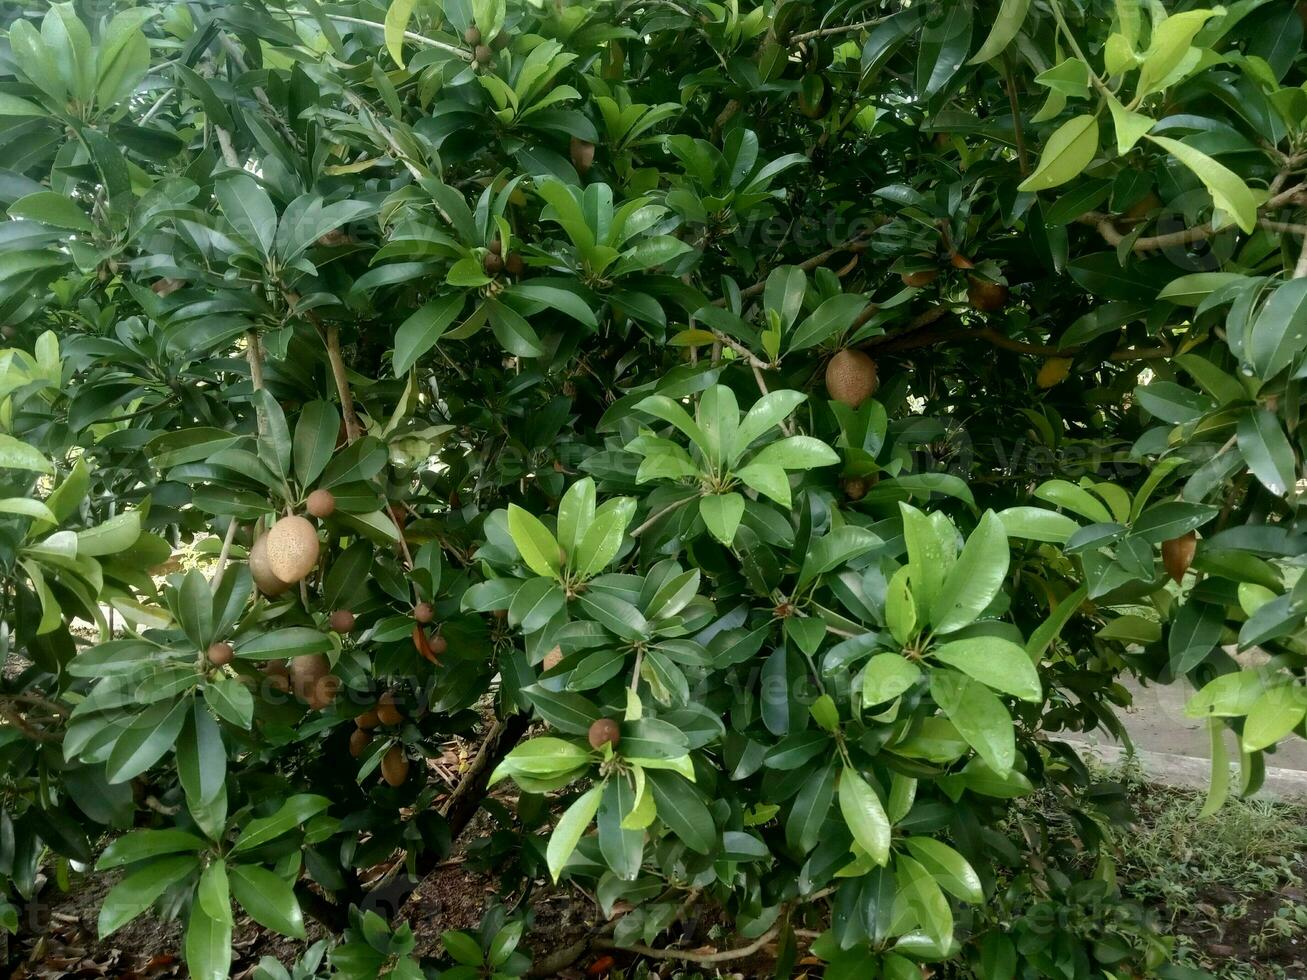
(341, 621)
(922, 277)
(261, 570)
(388, 712)
(394, 766)
(220, 654)
(312, 680)
(292, 548)
(472, 35)
(1178, 555)
(278, 676)
(986, 296)
(439, 645)
(483, 54)
(583, 155)
(603, 732)
(321, 503)
(851, 377)
(855, 488)
(553, 658)
(496, 246)
(358, 741)
(492, 264)
(368, 720)
(424, 612)
(514, 265)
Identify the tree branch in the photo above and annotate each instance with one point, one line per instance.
(692, 957)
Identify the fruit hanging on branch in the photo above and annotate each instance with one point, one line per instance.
(359, 740)
(220, 654)
(603, 732)
(292, 547)
(321, 503)
(388, 712)
(394, 766)
(341, 621)
(583, 155)
(985, 296)
(261, 570)
(312, 680)
(851, 377)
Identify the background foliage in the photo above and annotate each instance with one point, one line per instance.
(548, 298)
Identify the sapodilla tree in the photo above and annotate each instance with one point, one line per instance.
(795, 417)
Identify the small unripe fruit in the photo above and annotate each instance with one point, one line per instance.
(501, 41)
(985, 296)
(583, 155)
(424, 613)
(359, 741)
(368, 720)
(492, 264)
(855, 488)
(1178, 555)
(552, 659)
(851, 377)
(388, 712)
(394, 766)
(472, 36)
(514, 265)
(341, 621)
(483, 54)
(603, 732)
(220, 654)
(292, 548)
(321, 503)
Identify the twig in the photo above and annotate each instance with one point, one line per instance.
(1300, 270)
(828, 31)
(1023, 160)
(787, 426)
(222, 556)
(35, 734)
(228, 151)
(659, 515)
(691, 957)
(409, 35)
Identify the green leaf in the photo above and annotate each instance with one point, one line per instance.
(1228, 190)
(1037, 524)
(996, 663)
(534, 543)
(419, 333)
(208, 945)
(886, 676)
(949, 868)
(397, 18)
(603, 538)
(718, 417)
(1273, 716)
(17, 455)
(680, 808)
(109, 537)
(268, 899)
(316, 433)
(865, 816)
(1267, 450)
(924, 897)
(282, 644)
(52, 209)
(140, 845)
(975, 578)
(571, 825)
(796, 453)
(1130, 126)
(576, 512)
(249, 209)
(1067, 153)
(1167, 47)
(26, 507)
(765, 414)
(721, 513)
(1011, 15)
(137, 892)
(293, 813)
(1276, 336)
(979, 717)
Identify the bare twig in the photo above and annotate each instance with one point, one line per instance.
(687, 956)
(828, 31)
(660, 514)
(222, 556)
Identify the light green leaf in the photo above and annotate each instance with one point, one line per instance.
(975, 578)
(865, 816)
(722, 513)
(995, 662)
(570, 827)
(1067, 153)
(534, 543)
(1227, 188)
